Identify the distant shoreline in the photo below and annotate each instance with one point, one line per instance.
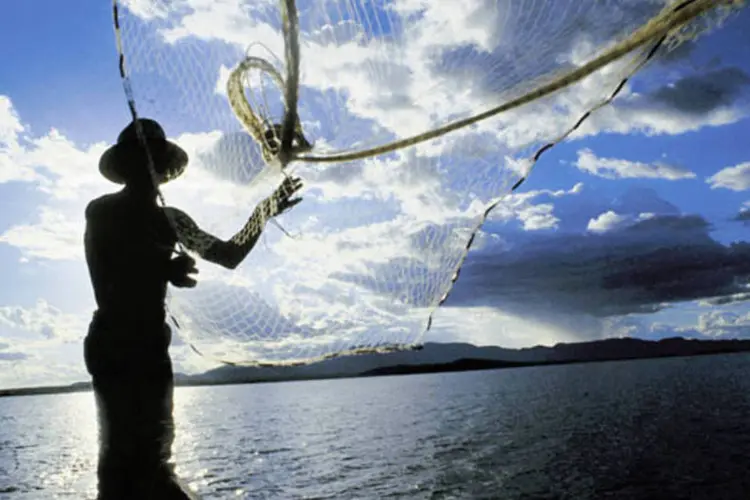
(459, 365)
(464, 365)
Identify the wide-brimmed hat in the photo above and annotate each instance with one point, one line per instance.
(119, 162)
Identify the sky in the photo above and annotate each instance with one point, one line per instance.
(636, 225)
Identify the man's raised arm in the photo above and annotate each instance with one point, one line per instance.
(231, 253)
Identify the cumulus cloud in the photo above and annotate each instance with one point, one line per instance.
(533, 209)
(40, 344)
(610, 220)
(724, 324)
(53, 235)
(735, 178)
(606, 222)
(43, 321)
(58, 167)
(612, 168)
(147, 9)
(10, 130)
(67, 177)
(713, 325)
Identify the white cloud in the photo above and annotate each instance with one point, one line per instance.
(69, 178)
(493, 326)
(724, 324)
(43, 321)
(532, 216)
(538, 217)
(612, 168)
(41, 345)
(54, 236)
(10, 132)
(637, 114)
(611, 220)
(54, 163)
(490, 326)
(147, 9)
(226, 21)
(606, 222)
(223, 79)
(63, 171)
(736, 178)
(10, 125)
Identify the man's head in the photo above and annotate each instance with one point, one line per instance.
(127, 161)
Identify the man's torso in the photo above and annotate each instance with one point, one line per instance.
(129, 244)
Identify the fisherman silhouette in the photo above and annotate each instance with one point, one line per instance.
(130, 247)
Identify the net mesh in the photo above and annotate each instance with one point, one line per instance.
(409, 121)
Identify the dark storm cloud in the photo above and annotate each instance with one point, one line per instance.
(701, 93)
(634, 270)
(667, 258)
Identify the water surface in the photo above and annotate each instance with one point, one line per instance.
(670, 428)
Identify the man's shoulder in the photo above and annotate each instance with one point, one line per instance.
(100, 204)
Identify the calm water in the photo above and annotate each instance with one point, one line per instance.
(677, 428)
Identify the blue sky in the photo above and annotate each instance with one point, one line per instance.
(649, 191)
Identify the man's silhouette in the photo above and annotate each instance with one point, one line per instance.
(130, 245)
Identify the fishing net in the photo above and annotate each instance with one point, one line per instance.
(409, 121)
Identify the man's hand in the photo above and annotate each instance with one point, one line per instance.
(179, 270)
(281, 200)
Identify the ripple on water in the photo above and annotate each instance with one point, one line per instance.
(613, 430)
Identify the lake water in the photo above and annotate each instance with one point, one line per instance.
(672, 428)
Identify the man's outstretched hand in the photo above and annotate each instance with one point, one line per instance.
(282, 199)
(180, 269)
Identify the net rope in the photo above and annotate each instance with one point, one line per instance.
(283, 144)
(671, 20)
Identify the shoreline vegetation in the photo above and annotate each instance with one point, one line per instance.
(440, 358)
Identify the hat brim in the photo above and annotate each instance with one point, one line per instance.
(170, 161)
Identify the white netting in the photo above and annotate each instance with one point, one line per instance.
(378, 239)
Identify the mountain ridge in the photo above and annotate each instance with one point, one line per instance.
(443, 357)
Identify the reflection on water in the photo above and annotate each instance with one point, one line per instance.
(673, 428)
(49, 444)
